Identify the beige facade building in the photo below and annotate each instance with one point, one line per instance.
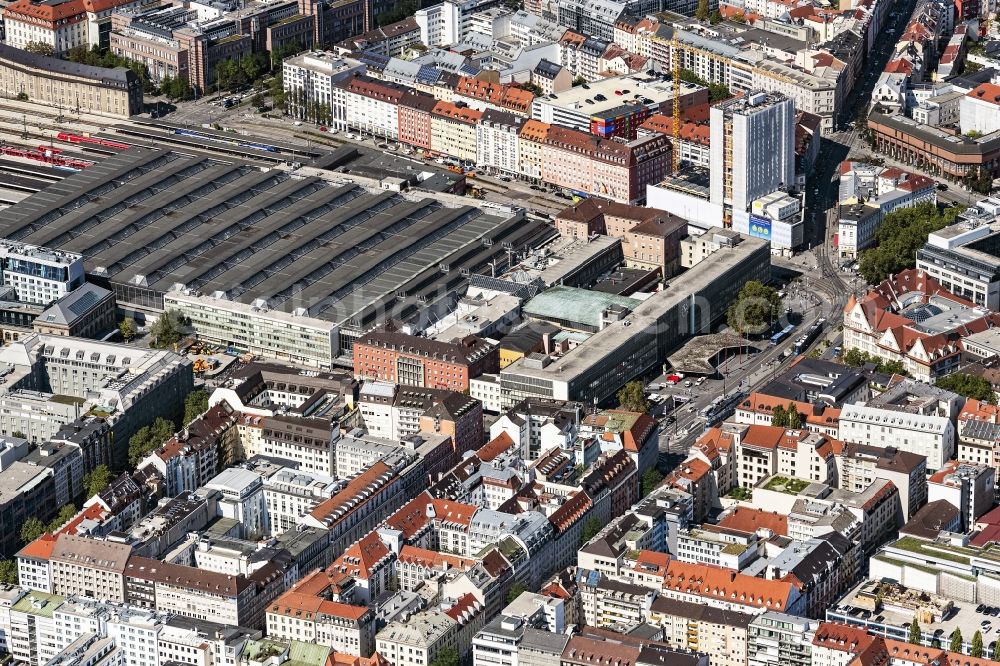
(529, 148)
(453, 130)
(721, 634)
(89, 568)
(69, 85)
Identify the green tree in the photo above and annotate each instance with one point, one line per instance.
(977, 645)
(195, 404)
(228, 74)
(755, 309)
(166, 331)
(893, 368)
(446, 657)
(8, 572)
(516, 590)
(779, 418)
(401, 11)
(794, 418)
(181, 88)
(590, 529)
(978, 180)
(278, 93)
(96, 480)
(651, 479)
(127, 328)
(971, 386)
(257, 101)
(716, 91)
(250, 68)
(715, 18)
(701, 13)
(31, 529)
(579, 81)
(956, 641)
(996, 651)
(282, 52)
(631, 398)
(22, 97)
(898, 238)
(915, 633)
(857, 358)
(148, 439)
(65, 514)
(41, 48)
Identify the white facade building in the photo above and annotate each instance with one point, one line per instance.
(927, 435)
(311, 78)
(242, 498)
(752, 148)
(449, 22)
(38, 274)
(497, 142)
(979, 110)
(290, 494)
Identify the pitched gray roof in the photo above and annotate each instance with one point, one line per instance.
(74, 305)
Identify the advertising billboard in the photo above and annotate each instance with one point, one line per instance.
(760, 227)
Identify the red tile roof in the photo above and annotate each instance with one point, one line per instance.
(462, 114)
(453, 512)
(987, 92)
(40, 548)
(411, 517)
(747, 519)
(727, 585)
(432, 559)
(499, 444)
(362, 556)
(308, 607)
(346, 499)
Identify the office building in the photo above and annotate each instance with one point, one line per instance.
(600, 110)
(968, 487)
(777, 639)
(39, 275)
(752, 148)
(867, 194)
(858, 465)
(965, 257)
(87, 567)
(449, 22)
(392, 356)
(310, 79)
(242, 499)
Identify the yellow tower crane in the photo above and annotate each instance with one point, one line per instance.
(675, 66)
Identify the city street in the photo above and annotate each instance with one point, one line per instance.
(824, 285)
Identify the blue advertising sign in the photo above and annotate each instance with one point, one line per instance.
(760, 227)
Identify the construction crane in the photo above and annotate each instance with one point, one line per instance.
(675, 66)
